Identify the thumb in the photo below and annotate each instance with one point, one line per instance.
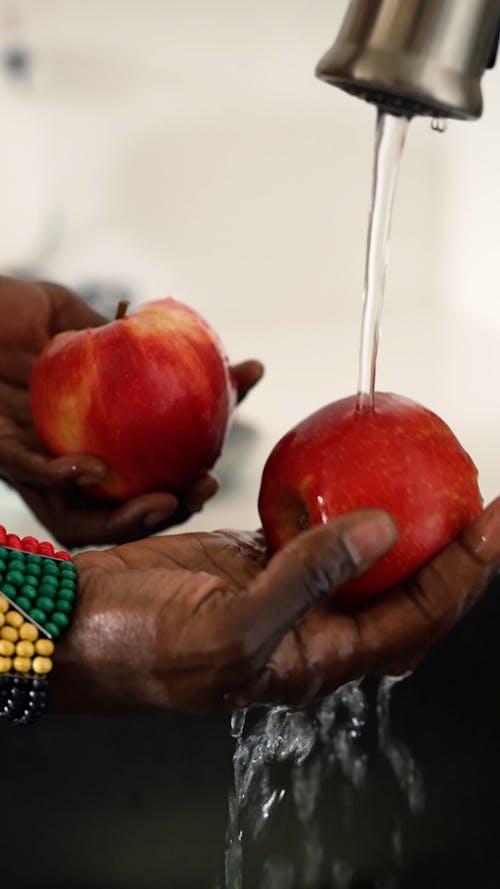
(246, 375)
(307, 570)
(68, 311)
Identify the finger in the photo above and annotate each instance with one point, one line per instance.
(306, 571)
(135, 518)
(83, 469)
(201, 491)
(77, 523)
(78, 520)
(394, 633)
(246, 375)
(26, 465)
(68, 311)
(198, 493)
(190, 502)
(481, 539)
(14, 402)
(438, 596)
(158, 516)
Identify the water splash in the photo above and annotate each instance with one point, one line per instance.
(277, 874)
(439, 124)
(397, 754)
(282, 755)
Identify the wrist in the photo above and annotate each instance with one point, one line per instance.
(85, 660)
(104, 662)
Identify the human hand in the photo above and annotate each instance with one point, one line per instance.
(207, 621)
(30, 315)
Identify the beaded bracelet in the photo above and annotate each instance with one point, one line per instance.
(37, 594)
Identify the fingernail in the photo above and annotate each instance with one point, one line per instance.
(151, 519)
(369, 538)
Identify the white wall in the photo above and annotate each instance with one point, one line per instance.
(185, 147)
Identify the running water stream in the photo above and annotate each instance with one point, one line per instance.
(284, 759)
(390, 134)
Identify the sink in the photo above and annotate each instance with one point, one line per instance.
(140, 800)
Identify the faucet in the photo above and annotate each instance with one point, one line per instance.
(415, 57)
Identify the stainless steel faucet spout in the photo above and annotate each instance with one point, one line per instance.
(415, 56)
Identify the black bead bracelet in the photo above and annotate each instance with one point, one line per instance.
(23, 699)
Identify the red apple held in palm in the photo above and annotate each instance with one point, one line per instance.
(150, 393)
(398, 456)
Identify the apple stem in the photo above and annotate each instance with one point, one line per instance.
(121, 309)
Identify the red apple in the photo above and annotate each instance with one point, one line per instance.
(399, 457)
(150, 393)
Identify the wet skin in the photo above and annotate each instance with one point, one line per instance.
(206, 621)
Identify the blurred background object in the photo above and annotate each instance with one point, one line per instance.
(186, 148)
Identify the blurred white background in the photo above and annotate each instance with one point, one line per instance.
(185, 147)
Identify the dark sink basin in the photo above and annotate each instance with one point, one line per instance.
(140, 802)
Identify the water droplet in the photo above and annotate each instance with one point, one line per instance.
(439, 124)
(238, 723)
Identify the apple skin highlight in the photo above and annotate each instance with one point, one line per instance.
(399, 457)
(150, 393)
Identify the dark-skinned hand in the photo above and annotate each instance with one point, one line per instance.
(30, 315)
(208, 621)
